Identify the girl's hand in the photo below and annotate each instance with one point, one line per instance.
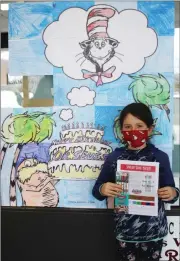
(111, 190)
(167, 193)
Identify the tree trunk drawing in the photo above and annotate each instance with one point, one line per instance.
(12, 189)
(3, 153)
(167, 110)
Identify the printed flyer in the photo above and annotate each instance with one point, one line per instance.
(139, 182)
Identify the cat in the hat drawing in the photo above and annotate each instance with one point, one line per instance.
(100, 44)
(99, 48)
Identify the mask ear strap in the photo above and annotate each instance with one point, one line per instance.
(123, 140)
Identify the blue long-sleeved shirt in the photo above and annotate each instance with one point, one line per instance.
(134, 227)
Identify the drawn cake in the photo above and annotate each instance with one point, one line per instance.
(80, 152)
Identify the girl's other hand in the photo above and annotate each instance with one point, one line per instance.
(111, 190)
(167, 193)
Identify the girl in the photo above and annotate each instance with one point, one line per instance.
(139, 238)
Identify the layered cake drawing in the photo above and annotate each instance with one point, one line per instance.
(80, 152)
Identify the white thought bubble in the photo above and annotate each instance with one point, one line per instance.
(136, 42)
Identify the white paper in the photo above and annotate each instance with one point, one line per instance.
(139, 180)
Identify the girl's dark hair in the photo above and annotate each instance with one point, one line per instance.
(138, 110)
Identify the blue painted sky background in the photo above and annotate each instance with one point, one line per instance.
(160, 16)
(28, 21)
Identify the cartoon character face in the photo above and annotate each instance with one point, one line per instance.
(35, 184)
(28, 168)
(99, 50)
(37, 178)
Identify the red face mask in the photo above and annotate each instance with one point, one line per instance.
(135, 138)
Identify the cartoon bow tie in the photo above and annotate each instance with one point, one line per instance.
(108, 74)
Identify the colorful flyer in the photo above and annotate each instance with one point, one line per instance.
(139, 181)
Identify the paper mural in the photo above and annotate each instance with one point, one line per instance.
(40, 162)
(102, 57)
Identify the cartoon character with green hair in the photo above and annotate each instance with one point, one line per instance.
(151, 90)
(21, 129)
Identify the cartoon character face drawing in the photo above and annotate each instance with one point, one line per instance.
(99, 51)
(35, 185)
(99, 44)
(99, 48)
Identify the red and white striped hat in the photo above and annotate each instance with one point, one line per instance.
(97, 22)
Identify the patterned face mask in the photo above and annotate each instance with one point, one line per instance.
(135, 138)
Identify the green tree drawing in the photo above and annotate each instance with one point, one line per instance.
(151, 90)
(21, 129)
(117, 129)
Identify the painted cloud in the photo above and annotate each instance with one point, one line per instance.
(66, 114)
(81, 97)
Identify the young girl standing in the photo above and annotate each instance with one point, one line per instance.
(139, 238)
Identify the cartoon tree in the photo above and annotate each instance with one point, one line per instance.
(17, 129)
(151, 90)
(21, 129)
(117, 129)
(46, 124)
